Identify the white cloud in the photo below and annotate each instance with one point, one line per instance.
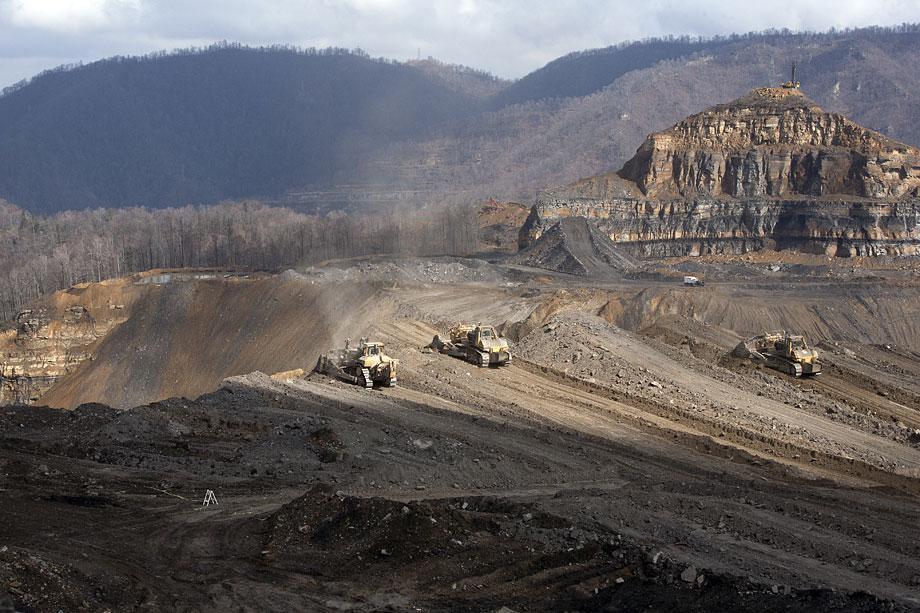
(68, 15)
(507, 37)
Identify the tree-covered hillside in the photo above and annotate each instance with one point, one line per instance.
(318, 129)
(203, 126)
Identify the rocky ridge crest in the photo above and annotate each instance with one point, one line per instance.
(773, 142)
(770, 169)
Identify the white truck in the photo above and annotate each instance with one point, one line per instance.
(693, 281)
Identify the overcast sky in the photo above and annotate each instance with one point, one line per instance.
(508, 38)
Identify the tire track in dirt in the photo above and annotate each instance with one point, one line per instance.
(596, 409)
(841, 389)
(648, 453)
(676, 419)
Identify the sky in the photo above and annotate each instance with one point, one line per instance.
(509, 38)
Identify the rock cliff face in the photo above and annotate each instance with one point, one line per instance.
(769, 169)
(44, 347)
(773, 142)
(57, 335)
(701, 226)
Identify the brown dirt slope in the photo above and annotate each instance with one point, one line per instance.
(184, 337)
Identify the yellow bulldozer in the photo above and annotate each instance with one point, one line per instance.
(477, 344)
(788, 353)
(366, 364)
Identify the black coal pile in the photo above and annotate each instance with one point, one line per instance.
(575, 246)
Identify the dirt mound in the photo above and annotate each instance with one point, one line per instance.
(441, 270)
(479, 551)
(338, 532)
(574, 245)
(184, 337)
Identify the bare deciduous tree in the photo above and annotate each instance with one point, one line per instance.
(39, 255)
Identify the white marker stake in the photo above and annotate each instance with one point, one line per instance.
(209, 498)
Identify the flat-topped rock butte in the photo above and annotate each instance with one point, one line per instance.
(770, 169)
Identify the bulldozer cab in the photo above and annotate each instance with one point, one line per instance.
(371, 349)
(784, 345)
(480, 335)
(793, 347)
(800, 349)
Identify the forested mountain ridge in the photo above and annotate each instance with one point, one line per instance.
(871, 76)
(584, 72)
(204, 126)
(469, 81)
(320, 127)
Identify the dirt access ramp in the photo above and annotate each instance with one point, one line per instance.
(754, 411)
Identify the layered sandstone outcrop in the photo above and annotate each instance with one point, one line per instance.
(58, 334)
(773, 142)
(769, 169)
(44, 347)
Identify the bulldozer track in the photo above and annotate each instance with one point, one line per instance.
(841, 389)
(641, 411)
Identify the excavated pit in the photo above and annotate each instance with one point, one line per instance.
(620, 444)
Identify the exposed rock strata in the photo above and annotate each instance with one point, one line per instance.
(43, 348)
(711, 226)
(773, 142)
(770, 169)
(53, 338)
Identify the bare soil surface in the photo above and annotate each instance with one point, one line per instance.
(623, 461)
